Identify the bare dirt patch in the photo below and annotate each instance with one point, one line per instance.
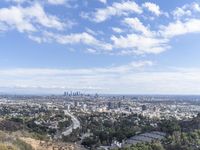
(43, 145)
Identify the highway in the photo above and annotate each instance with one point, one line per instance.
(75, 124)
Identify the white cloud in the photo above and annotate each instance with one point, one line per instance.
(140, 64)
(52, 2)
(127, 79)
(186, 10)
(138, 38)
(92, 51)
(179, 12)
(3, 27)
(76, 38)
(152, 8)
(141, 40)
(103, 1)
(180, 28)
(84, 38)
(137, 25)
(140, 44)
(28, 18)
(17, 1)
(117, 9)
(57, 2)
(37, 14)
(36, 39)
(91, 31)
(14, 18)
(130, 67)
(117, 30)
(144, 41)
(196, 7)
(154, 42)
(123, 69)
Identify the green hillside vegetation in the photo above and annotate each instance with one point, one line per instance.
(182, 135)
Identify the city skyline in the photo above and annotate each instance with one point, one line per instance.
(100, 46)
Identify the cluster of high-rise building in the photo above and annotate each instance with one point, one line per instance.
(71, 93)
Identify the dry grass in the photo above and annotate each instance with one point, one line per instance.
(9, 142)
(6, 147)
(42, 145)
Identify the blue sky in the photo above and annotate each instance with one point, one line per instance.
(103, 46)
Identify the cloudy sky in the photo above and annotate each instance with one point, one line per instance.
(103, 46)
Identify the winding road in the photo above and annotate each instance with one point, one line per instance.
(75, 124)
